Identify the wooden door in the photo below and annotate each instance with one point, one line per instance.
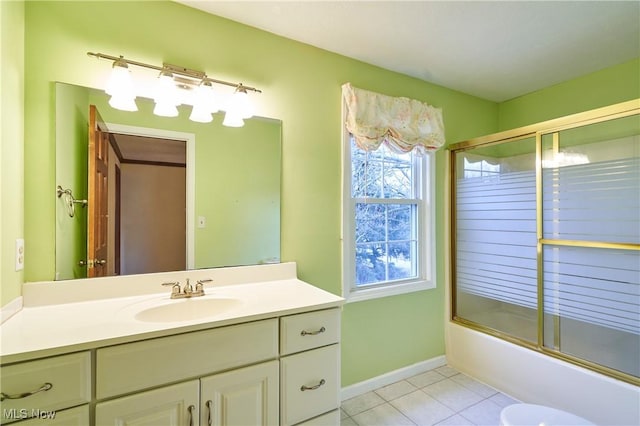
(98, 214)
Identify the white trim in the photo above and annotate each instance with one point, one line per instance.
(190, 139)
(386, 290)
(10, 309)
(391, 377)
(426, 227)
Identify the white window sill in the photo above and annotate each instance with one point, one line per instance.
(388, 290)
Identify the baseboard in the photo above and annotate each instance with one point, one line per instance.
(10, 309)
(391, 377)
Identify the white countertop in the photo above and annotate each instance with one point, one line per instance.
(39, 330)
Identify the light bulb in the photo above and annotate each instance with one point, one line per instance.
(166, 91)
(123, 103)
(200, 114)
(120, 83)
(164, 109)
(232, 119)
(240, 103)
(204, 103)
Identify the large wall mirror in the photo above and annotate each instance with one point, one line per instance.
(181, 195)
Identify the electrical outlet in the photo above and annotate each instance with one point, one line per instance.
(19, 254)
(202, 222)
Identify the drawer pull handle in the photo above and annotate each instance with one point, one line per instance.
(190, 409)
(43, 388)
(209, 420)
(306, 388)
(312, 333)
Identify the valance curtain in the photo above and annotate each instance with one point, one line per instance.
(403, 124)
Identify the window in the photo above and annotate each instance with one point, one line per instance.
(481, 168)
(388, 222)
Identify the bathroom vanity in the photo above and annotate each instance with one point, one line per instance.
(259, 348)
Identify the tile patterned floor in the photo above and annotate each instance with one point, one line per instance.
(442, 396)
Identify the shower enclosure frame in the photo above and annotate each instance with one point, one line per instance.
(600, 115)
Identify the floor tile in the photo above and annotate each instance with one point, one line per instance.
(503, 400)
(348, 421)
(447, 371)
(452, 394)
(485, 413)
(396, 390)
(421, 408)
(361, 403)
(442, 397)
(382, 415)
(456, 420)
(474, 385)
(425, 379)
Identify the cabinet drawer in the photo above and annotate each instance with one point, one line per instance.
(78, 416)
(69, 376)
(310, 330)
(309, 384)
(134, 366)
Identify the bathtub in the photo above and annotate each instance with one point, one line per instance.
(536, 378)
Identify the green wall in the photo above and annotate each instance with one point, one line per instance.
(301, 86)
(11, 146)
(72, 116)
(605, 87)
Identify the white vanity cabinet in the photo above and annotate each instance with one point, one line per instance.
(245, 396)
(235, 396)
(272, 360)
(310, 367)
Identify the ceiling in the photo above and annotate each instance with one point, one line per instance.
(148, 150)
(494, 50)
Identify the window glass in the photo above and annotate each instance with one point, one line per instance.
(385, 219)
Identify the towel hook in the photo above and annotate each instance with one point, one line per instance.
(69, 200)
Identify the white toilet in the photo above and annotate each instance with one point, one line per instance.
(538, 415)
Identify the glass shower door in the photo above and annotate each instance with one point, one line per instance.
(591, 232)
(495, 239)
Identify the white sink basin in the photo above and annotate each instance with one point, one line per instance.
(187, 309)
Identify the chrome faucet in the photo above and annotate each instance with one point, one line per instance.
(187, 290)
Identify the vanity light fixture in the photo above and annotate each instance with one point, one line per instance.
(204, 103)
(120, 87)
(172, 80)
(166, 95)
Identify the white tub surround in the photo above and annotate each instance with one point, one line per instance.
(540, 379)
(65, 316)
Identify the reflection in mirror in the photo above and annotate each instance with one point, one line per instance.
(221, 184)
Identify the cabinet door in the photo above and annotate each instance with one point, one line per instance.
(246, 396)
(175, 405)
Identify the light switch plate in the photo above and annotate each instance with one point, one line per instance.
(19, 254)
(202, 222)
